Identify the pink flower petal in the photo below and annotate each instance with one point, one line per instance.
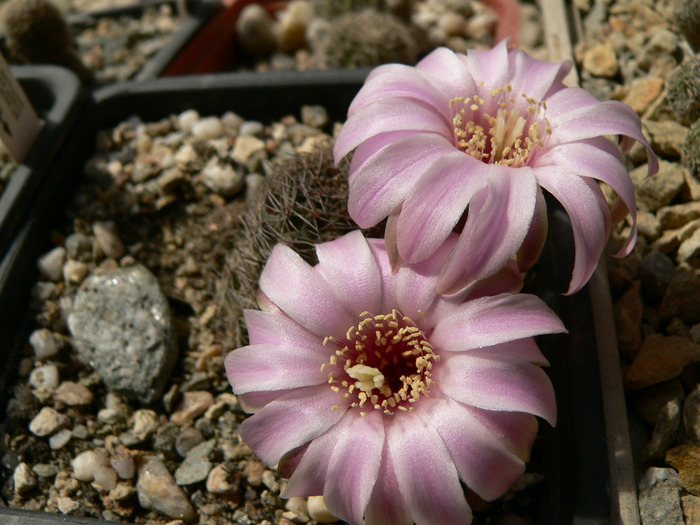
(276, 328)
(356, 285)
(387, 506)
(310, 474)
(427, 478)
(415, 285)
(495, 229)
(520, 350)
(474, 451)
(516, 430)
(598, 159)
(273, 367)
(254, 401)
(387, 116)
(391, 81)
(437, 202)
(481, 322)
(303, 294)
(448, 72)
(292, 420)
(355, 463)
(536, 78)
(589, 215)
(595, 120)
(492, 384)
(384, 180)
(489, 66)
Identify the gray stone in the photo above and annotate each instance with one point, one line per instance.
(665, 431)
(659, 497)
(121, 325)
(657, 191)
(187, 439)
(157, 491)
(196, 466)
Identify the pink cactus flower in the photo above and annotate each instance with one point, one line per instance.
(373, 391)
(470, 142)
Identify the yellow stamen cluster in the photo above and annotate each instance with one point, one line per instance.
(508, 138)
(384, 363)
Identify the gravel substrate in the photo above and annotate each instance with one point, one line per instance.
(78, 448)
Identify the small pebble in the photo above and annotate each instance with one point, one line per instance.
(67, 505)
(24, 478)
(207, 128)
(193, 405)
(46, 376)
(43, 343)
(47, 422)
(60, 439)
(86, 464)
(146, 422)
(157, 491)
(187, 439)
(51, 264)
(187, 119)
(75, 271)
(108, 240)
(123, 464)
(73, 394)
(221, 480)
(250, 127)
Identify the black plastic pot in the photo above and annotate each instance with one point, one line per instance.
(573, 457)
(199, 13)
(56, 96)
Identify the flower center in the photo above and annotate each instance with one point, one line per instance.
(384, 363)
(508, 137)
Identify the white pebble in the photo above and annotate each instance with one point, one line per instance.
(105, 477)
(222, 178)
(47, 422)
(452, 24)
(251, 127)
(123, 464)
(46, 376)
(318, 511)
(145, 423)
(232, 120)
(43, 343)
(51, 264)
(107, 239)
(86, 464)
(67, 505)
(24, 478)
(186, 120)
(208, 128)
(75, 271)
(108, 416)
(60, 439)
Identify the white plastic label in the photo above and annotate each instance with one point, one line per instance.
(19, 123)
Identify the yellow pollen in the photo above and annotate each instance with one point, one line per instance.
(368, 378)
(384, 363)
(506, 134)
